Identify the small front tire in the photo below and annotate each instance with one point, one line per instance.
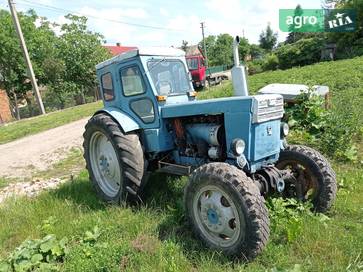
(226, 210)
(315, 178)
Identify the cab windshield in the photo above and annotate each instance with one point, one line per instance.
(169, 76)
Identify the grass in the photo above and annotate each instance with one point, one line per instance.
(344, 78)
(22, 128)
(153, 236)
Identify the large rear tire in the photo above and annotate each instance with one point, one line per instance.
(315, 178)
(114, 160)
(226, 210)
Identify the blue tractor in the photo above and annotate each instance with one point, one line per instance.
(233, 149)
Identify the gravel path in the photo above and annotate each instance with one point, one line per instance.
(27, 155)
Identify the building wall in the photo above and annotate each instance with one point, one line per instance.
(5, 113)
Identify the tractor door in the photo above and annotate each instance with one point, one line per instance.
(137, 98)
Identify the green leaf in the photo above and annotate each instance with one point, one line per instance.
(5, 267)
(37, 258)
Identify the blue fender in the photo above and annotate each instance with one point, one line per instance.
(125, 121)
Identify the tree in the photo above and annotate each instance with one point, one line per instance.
(349, 44)
(40, 43)
(80, 50)
(268, 38)
(64, 64)
(293, 35)
(209, 44)
(223, 53)
(184, 46)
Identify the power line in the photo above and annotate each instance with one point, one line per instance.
(61, 10)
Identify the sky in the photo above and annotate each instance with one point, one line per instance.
(171, 21)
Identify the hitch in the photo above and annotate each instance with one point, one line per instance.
(271, 179)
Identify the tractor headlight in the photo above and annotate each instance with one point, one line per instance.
(238, 146)
(284, 129)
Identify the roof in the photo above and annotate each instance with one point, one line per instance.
(193, 50)
(118, 49)
(145, 51)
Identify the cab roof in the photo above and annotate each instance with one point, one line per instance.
(145, 51)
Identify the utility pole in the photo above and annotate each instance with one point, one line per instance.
(26, 55)
(202, 26)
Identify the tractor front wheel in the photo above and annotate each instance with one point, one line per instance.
(314, 179)
(114, 160)
(226, 210)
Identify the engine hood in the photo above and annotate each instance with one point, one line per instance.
(207, 107)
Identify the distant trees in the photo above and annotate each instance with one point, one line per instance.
(64, 64)
(349, 44)
(219, 49)
(268, 38)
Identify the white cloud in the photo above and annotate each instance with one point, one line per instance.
(114, 31)
(164, 12)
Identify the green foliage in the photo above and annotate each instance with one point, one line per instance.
(219, 49)
(331, 130)
(303, 52)
(255, 67)
(40, 42)
(80, 50)
(63, 64)
(349, 44)
(39, 254)
(270, 62)
(268, 38)
(287, 218)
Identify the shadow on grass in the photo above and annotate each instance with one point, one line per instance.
(166, 193)
(162, 194)
(80, 191)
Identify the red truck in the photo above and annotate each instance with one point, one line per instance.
(201, 75)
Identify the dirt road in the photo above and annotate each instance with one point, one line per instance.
(37, 152)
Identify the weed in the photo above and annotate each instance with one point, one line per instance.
(40, 254)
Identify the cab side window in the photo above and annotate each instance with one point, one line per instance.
(107, 87)
(202, 62)
(132, 82)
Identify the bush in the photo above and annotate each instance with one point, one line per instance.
(271, 62)
(254, 67)
(302, 52)
(331, 131)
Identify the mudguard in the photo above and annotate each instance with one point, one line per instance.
(126, 122)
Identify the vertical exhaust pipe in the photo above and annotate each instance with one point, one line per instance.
(238, 72)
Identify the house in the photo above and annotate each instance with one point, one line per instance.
(193, 50)
(118, 49)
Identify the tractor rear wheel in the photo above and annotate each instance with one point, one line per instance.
(315, 179)
(114, 160)
(226, 210)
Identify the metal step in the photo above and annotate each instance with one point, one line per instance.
(175, 169)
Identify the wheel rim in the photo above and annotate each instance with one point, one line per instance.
(305, 185)
(217, 216)
(105, 166)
